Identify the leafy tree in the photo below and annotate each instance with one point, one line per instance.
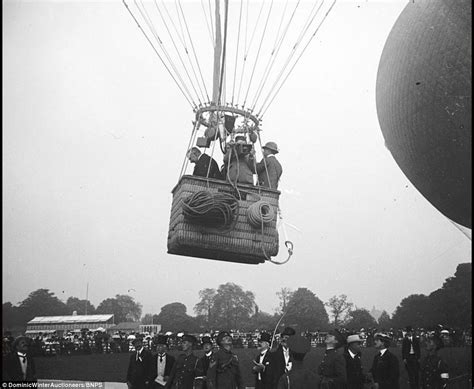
(42, 302)
(173, 317)
(339, 307)
(13, 318)
(384, 321)
(284, 294)
(360, 318)
(452, 303)
(123, 307)
(232, 306)
(205, 306)
(414, 310)
(262, 321)
(306, 311)
(75, 304)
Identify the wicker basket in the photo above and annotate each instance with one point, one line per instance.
(243, 243)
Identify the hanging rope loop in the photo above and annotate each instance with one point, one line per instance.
(260, 212)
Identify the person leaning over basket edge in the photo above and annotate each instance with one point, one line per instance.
(202, 162)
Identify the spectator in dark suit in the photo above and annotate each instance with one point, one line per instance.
(385, 369)
(281, 356)
(18, 365)
(206, 166)
(203, 363)
(269, 170)
(162, 363)
(332, 369)
(355, 375)
(411, 357)
(139, 367)
(262, 363)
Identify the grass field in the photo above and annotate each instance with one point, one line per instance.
(113, 367)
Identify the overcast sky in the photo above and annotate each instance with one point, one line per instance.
(95, 132)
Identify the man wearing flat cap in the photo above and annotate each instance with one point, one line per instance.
(18, 365)
(224, 369)
(185, 368)
(203, 363)
(352, 354)
(281, 362)
(269, 170)
(332, 369)
(434, 371)
(385, 368)
(262, 363)
(411, 357)
(139, 366)
(162, 363)
(299, 376)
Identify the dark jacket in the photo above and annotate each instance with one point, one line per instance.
(332, 370)
(183, 372)
(278, 365)
(202, 166)
(11, 368)
(224, 371)
(355, 375)
(168, 366)
(432, 368)
(269, 171)
(139, 371)
(201, 374)
(406, 343)
(298, 378)
(386, 371)
(264, 379)
(238, 169)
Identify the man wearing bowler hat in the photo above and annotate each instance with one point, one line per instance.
(298, 377)
(385, 369)
(224, 369)
(281, 362)
(269, 170)
(411, 357)
(352, 354)
(332, 369)
(162, 363)
(184, 370)
(262, 363)
(203, 363)
(139, 367)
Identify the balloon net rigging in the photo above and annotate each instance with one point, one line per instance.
(229, 53)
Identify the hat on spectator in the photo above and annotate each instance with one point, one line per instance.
(354, 338)
(299, 344)
(288, 331)
(189, 338)
(221, 336)
(383, 337)
(161, 339)
(265, 337)
(340, 338)
(206, 339)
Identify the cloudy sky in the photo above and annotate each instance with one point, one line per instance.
(95, 132)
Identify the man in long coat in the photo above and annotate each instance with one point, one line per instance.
(185, 368)
(352, 354)
(385, 368)
(332, 369)
(262, 363)
(162, 363)
(139, 366)
(18, 365)
(281, 362)
(411, 357)
(269, 169)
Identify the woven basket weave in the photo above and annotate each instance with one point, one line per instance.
(243, 243)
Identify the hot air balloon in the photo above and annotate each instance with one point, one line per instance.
(229, 76)
(424, 102)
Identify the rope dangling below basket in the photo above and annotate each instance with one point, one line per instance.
(216, 210)
(260, 212)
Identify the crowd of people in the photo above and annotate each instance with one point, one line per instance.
(151, 366)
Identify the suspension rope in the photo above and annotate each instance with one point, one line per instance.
(274, 54)
(224, 46)
(303, 31)
(177, 52)
(258, 51)
(212, 21)
(237, 51)
(207, 21)
(304, 49)
(188, 99)
(149, 23)
(194, 50)
(191, 141)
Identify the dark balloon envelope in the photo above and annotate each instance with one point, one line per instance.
(424, 101)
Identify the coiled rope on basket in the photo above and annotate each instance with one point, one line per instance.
(260, 212)
(216, 210)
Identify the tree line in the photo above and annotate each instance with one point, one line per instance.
(231, 307)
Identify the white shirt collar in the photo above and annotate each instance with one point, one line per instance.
(382, 352)
(351, 353)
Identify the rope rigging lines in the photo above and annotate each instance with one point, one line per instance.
(254, 45)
